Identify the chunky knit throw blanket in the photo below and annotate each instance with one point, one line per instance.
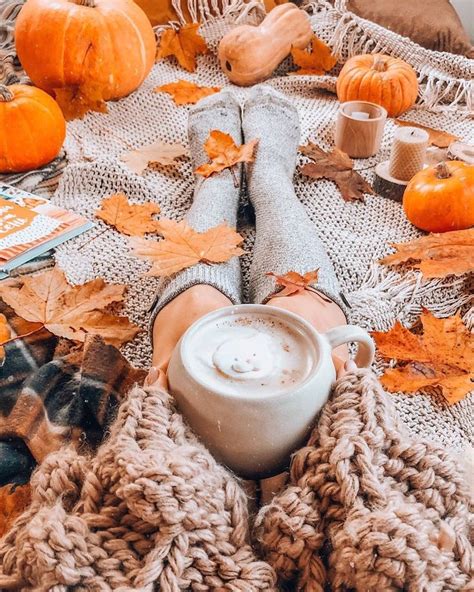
(368, 507)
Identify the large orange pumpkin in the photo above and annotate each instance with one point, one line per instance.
(32, 128)
(381, 79)
(107, 44)
(441, 198)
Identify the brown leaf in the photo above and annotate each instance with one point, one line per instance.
(13, 501)
(158, 152)
(4, 334)
(184, 44)
(76, 101)
(183, 246)
(316, 63)
(338, 167)
(442, 356)
(187, 93)
(130, 219)
(224, 153)
(67, 311)
(437, 137)
(293, 282)
(437, 255)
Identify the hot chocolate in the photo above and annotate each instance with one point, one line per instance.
(250, 355)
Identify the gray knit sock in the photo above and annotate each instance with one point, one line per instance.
(216, 200)
(286, 239)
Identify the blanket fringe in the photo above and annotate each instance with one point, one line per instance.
(353, 35)
(387, 295)
(204, 11)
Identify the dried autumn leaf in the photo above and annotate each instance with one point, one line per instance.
(441, 356)
(224, 153)
(158, 152)
(130, 219)
(317, 62)
(4, 334)
(184, 44)
(183, 246)
(76, 101)
(69, 311)
(437, 255)
(293, 282)
(13, 501)
(436, 137)
(335, 166)
(187, 93)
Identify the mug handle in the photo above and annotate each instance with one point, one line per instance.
(349, 333)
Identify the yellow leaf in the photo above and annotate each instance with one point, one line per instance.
(184, 44)
(437, 255)
(441, 356)
(187, 93)
(130, 219)
(183, 246)
(68, 311)
(224, 153)
(316, 63)
(158, 152)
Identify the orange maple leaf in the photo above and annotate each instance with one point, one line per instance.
(437, 255)
(184, 44)
(224, 153)
(187, 93)
(316, 63)
(130, 219)
(441, 356)
(183, 246)
(69, 311)
(4, 334)
(76, 101)
(293, 282)
(13, 501)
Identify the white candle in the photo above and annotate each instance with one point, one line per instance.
(408, 152)
(360, 115)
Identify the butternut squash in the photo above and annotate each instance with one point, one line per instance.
(250, 54)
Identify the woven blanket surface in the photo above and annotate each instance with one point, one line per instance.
(356, 235)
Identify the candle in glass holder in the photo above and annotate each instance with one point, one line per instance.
(408, 152)
(359, 128)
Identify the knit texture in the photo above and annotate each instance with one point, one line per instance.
(355, 235)
(286, 239)
(151, 509)
(215, 201)
(368, 508)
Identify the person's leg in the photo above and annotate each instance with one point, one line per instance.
(192, 293)
(286, 239)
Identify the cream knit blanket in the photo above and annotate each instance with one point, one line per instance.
(356, 234)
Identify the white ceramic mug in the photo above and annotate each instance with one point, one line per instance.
(255, 435)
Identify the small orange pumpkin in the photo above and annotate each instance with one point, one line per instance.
(106, 44)
(381, 79)
(441, 198)
(33, 128)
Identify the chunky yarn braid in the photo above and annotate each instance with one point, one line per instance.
(368, 508)
(151, 509)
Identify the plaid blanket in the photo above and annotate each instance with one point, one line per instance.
(53, 392)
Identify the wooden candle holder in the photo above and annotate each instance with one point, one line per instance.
(356, 134)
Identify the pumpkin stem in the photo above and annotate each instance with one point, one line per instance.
(88, 3)
(379, 63)
(6, 94)
(442, 171)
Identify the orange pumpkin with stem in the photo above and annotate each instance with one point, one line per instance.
(33, 128)
(108, 45)
(381, 79)
(441, 198)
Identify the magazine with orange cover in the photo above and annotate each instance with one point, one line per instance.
(31, 225)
